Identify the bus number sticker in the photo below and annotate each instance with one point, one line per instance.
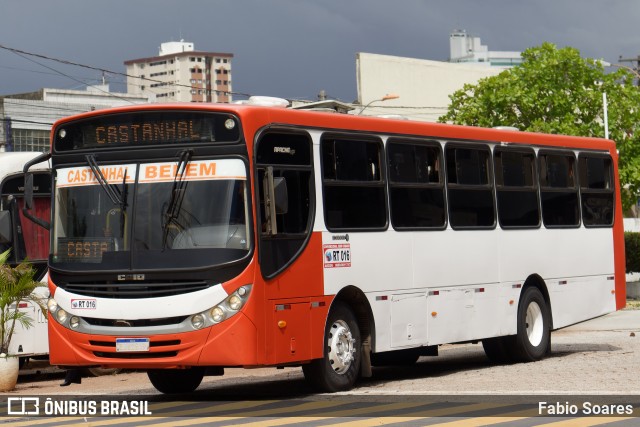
(83, 304)
(337, 255)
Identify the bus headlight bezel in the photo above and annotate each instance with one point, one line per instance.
(230, 306)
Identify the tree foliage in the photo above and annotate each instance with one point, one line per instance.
(557, 91)
(16, 285)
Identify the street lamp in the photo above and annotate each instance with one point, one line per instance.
(384, 98)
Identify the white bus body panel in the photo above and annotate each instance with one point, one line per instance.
(445, 286)
(126, 309)
(33, 341)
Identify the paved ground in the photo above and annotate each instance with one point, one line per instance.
(598, 356)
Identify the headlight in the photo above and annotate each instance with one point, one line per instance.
(74, 322)
(217, 314)
(52, 305)
(235, 302)
(197, 321)
(61, 315)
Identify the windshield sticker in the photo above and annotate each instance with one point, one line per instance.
(337, 255)
(115, 174)
(194, 171)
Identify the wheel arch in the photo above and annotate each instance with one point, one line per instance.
(357, 301)
(536, 281)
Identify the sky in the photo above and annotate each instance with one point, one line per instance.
(291, 48)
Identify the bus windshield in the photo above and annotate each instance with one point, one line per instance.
(151, 215)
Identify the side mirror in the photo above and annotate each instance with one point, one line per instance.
(28, 191)
(6, 229)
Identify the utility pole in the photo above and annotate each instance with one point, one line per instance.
(635, 67)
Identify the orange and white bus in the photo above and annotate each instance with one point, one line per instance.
(189, 238)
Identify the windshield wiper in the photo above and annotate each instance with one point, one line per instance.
(171, 213)
(112, 190)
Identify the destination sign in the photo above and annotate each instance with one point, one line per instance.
(90, 250)
(147, 128)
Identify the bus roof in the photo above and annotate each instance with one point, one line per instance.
(258, 116)
(13, 162)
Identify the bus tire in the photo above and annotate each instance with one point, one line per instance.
(173, 381)
(532, 340)
(338, 370)
(497, 349)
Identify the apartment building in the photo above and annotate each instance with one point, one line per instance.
(468, 49)
(181, 74)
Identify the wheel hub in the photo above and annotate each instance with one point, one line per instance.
(341, 347)
(534, 323)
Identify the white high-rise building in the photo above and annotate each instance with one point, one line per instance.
(468, 49)
(181, 74)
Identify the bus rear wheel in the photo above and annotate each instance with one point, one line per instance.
(533, 338)
(339, 368)
(173, 381)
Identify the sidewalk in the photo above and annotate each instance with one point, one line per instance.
(623, 320)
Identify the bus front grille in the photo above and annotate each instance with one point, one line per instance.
(135, 323)
(130, 290)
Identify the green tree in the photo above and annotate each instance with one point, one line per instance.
(557, 91)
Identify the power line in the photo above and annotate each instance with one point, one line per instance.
(20, 52)
(72, 78)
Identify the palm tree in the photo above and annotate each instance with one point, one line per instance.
(16, 285)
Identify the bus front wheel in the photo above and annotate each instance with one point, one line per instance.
(339, 368)
(532, 340)
(173, 381)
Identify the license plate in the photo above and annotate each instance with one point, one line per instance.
(132, 344)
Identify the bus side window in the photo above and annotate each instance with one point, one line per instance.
(516, 188)
(469, 188)
(284, 159)
(558, 189)
(596, 190)
(415, 185)
(354, 192)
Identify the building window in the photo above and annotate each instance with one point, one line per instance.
(30, 140)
